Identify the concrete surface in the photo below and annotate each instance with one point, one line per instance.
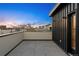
(8, 41)
(37, 48)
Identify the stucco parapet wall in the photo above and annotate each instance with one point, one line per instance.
(7, 34)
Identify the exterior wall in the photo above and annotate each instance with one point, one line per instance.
(8, 41)
(77, 31)
(6, 31)
(60, 24)
(38, 35)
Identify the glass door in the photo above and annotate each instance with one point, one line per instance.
(73, 32)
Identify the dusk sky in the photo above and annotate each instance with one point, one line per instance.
(26, 13)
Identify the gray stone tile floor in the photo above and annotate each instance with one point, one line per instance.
(37, 48)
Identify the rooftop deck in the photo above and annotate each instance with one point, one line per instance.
(37, 48)
(35, 44)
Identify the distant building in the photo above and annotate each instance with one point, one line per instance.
(48, 27)
(41, 27)
(2, 27)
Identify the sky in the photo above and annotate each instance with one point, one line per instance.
(25, 13)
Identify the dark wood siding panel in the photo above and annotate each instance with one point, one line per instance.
(60, 25)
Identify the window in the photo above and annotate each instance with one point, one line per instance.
(68, 8)
(72, 7)
(60, 15)
(57, 16)
(75, 6)
(62, 12)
